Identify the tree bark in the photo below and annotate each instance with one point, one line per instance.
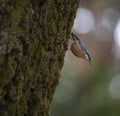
(33, 40)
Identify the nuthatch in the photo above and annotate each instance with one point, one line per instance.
(78, 48)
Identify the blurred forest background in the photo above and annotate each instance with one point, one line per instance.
(86, 90)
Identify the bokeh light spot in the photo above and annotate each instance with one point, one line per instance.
(117, 34)
(105, 25)
(114, 87)
(84, 21)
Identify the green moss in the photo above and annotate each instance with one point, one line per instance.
(35, 49)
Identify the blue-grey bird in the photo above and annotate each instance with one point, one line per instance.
(78, 48)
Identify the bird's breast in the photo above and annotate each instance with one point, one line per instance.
(77, 51)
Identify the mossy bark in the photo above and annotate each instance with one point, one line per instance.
(33, 40)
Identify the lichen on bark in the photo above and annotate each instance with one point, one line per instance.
(33, 40)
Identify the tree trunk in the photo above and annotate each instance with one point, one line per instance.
(33, 40)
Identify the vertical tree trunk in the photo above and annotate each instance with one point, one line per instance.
(33, 40)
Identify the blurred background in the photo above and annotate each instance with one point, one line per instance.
(86, 90)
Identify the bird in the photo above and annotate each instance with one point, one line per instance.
(79, 49)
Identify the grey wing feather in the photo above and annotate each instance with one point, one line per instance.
(80, 41)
